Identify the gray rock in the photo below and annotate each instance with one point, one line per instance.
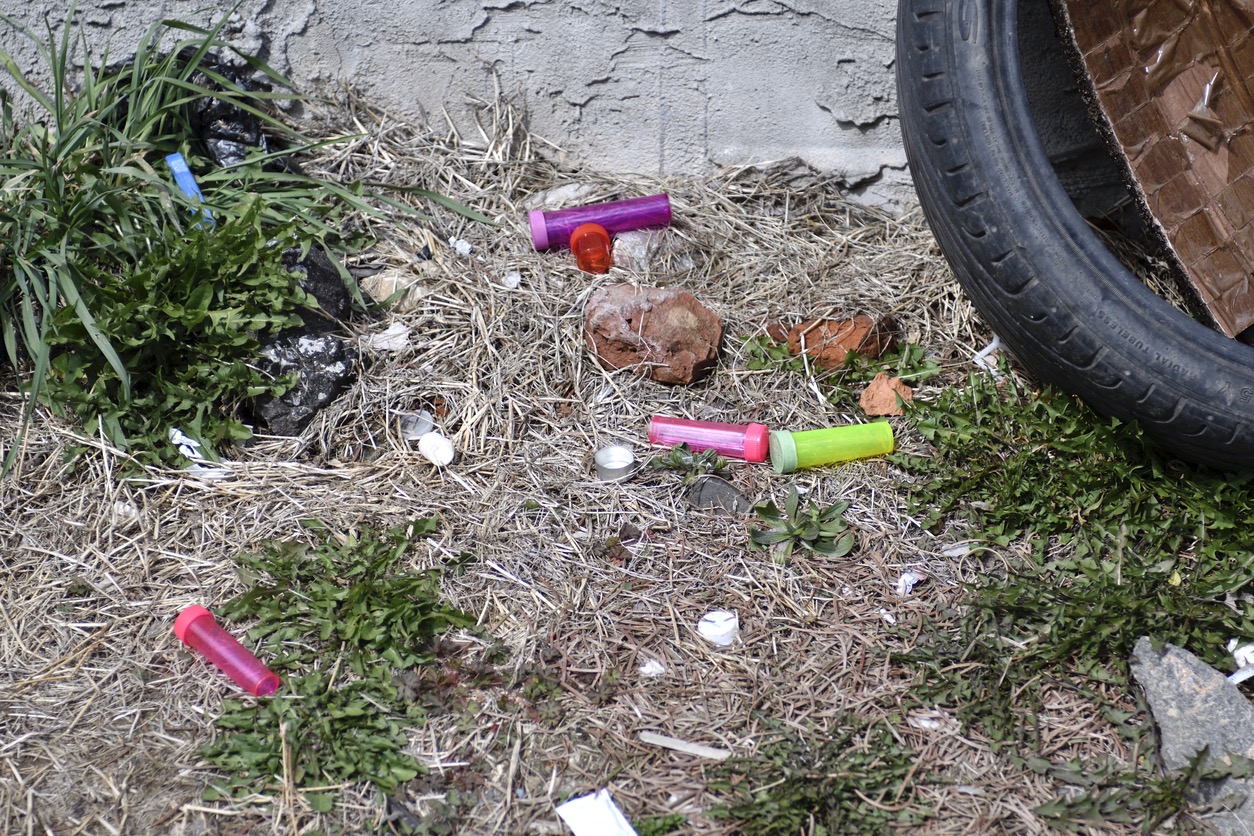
(713, 492)
(1196, 706)
(324, 366)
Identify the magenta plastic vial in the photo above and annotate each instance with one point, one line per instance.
(550, 230)
(196, 628)
(750, 442)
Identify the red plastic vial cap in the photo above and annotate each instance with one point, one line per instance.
(591, 245)
(185, 619)
(757, 443)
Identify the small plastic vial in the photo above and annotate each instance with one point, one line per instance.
(196, 628)
(738, 441)
(812, 448)
(591, 245)
(552, 230)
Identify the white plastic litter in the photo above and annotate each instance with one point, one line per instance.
(959, 550)
(983, 358)
(414, 427)
(436, 449)
(595, 815)
(1243, 655)
(652, 668)
(512, 280)
(720, 627)
(188, 446)
(200, 467)
(461, 246)
(395, 338)
(888, 617)
(126, 511)
(905, 583)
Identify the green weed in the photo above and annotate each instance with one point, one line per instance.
(691, 465)
(106, 263)
(808, 527)
(1100, 539)
(337, 621)
(855, 779)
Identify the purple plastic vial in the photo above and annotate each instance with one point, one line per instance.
(551, 230)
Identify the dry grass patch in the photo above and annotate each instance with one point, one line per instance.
(103, 712)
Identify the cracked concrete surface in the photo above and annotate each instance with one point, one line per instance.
(650, 86)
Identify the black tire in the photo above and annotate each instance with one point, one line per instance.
(1043, 280)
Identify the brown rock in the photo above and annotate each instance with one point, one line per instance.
(830, 341)
(667, 334)
(777, 329)
(880, 396)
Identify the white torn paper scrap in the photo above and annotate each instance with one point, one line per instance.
(905, 583)
(461, 246)
(888, 617)
(595, 815)
(652, 667)
(512, 279)
(395, 338)
(719, 626)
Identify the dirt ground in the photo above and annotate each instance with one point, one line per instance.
(102, 710)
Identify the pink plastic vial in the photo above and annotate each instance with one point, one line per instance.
(196, 628)
(750, 442)
(552, 229)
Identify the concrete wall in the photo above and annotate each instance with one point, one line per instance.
(650, 86)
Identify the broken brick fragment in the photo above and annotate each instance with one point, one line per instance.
(830, 341)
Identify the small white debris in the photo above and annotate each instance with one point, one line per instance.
(687, 747)
(888, 617)
(209, 474)
(985, 360)
(595, 815)
(905, 583)
(512, 280)
(652, 668)
(933, 720)
(719, 627)
(1242, 654)
(414, 427)
(189, 447)
(960, 550)
(436, 449)
(125, 511)
(395, 338)
(461, 246)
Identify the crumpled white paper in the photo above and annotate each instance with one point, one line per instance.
(905, 583)
(595, 815)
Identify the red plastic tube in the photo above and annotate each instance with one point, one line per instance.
(196, 628)
(551, 230)
(750, 442)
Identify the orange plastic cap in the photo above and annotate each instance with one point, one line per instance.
(591, 245)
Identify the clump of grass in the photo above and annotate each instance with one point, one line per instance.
(854, 779)
(107, 264)
(1100, 540)
(338, 621)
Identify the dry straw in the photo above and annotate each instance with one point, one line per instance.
(101, 710)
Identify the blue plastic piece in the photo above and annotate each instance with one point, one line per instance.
(186, 181)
